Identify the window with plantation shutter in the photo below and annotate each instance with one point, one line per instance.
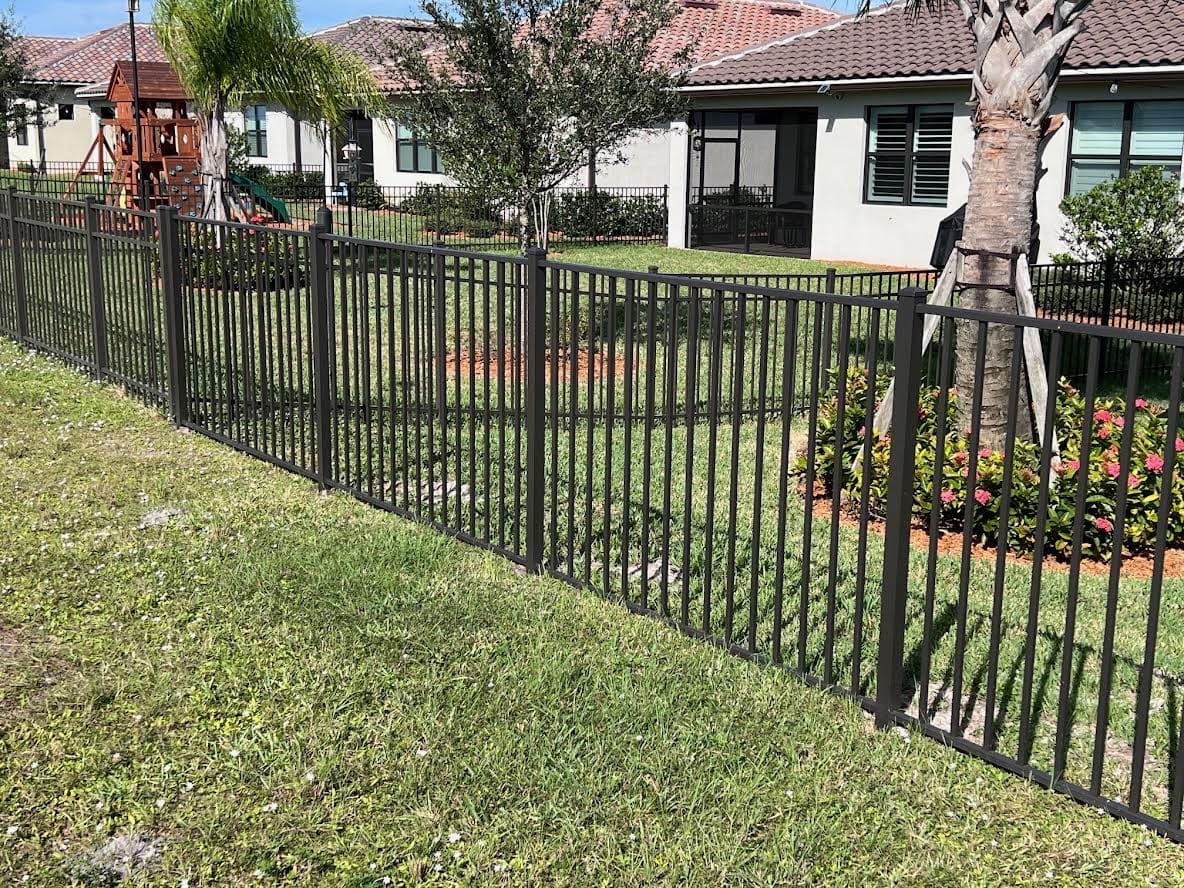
(908, 154)
(1112, 138)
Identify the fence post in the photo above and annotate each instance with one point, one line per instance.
(440, 342)
(536, 404)
(828, 331)
(18, 269)
(1110, 273)
(901, 477)
(94, 268)
(169, 234)
(321, 252)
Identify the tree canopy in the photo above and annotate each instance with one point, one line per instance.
(231, 52)
(516, 95)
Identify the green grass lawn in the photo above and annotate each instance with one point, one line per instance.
(675, 261)
(279, 687)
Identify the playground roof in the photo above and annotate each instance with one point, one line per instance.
(158, 82)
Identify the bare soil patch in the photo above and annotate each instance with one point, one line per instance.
(588, 365)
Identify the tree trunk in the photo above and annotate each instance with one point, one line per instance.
(1020, 47)
(215, 163)
(998, 221)
(524, 228)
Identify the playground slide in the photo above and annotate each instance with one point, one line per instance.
(273, 205)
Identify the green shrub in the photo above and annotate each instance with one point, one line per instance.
(1145, 481)
(260, 259)
(480, 228)
(1138, 216)
(288, 181)
(744, 196)
(368, 196)
(447, 223)
(603, 214)
(449, 206)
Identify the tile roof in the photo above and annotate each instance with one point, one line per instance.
(706, 28)
(38, 50)
(889, 42)
(90, 59)
(709, 28)
(368, 36)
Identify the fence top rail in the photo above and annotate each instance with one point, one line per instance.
(739, 289)
(427, 249)
(129, 212)
(56, 200)
(249, 227)
(1133, 334)
(750, 208)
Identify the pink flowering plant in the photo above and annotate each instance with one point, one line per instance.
(979, 476)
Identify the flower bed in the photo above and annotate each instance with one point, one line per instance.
(1145, 481)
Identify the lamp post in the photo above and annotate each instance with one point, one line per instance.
(133, 6)
(351, 151)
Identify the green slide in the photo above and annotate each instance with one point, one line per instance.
(273, 205)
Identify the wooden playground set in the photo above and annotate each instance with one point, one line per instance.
(157, 149)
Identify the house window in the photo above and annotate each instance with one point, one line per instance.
(1112, 138)
(65, 112)
(22, 134)
(908, 154)
(413, 155)
(256, 130)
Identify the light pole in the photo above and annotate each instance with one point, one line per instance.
(133, 6)
(351, 151)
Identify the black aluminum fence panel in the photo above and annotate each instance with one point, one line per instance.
(428, 386)
(246, 337)
(704, 451)
(1065, 670)
(456, 217)
(82, 281)
(676, 471)
(750, 227)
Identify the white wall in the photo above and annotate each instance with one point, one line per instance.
(847, 228)
(645, 163)
(66, 141)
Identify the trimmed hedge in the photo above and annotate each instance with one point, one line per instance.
(603, 214)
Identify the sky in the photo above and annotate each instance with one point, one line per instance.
(73, 17)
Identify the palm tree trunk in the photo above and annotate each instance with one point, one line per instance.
(1020, 49)
(215, 163)
(998, 221)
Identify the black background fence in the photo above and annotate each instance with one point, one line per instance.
(429, 214)
(693, 449)
(414, 214)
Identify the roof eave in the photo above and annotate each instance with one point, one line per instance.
(1139, 71)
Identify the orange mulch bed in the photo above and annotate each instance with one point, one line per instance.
(588, 365)
(1139, 567)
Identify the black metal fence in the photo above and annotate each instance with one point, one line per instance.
(705, 452)
(455, 216)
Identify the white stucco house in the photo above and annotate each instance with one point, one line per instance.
(395, 156)
(850, 140)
